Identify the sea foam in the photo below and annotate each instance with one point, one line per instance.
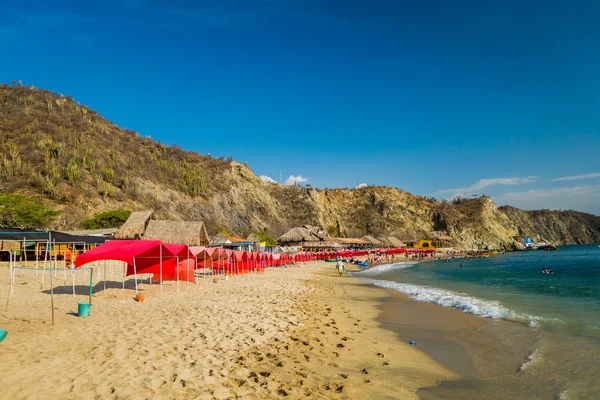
(447, 298)
(531, 359)
(381, 269)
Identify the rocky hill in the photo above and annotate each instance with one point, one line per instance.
(58, 150)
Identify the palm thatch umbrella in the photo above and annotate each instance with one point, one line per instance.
(135, 225)
(192, 233)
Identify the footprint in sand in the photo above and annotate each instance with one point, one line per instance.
(380, 355)
(364, 371)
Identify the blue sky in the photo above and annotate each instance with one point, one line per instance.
(501, 98)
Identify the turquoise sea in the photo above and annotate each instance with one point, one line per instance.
(563, 307)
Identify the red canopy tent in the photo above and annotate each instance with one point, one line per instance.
(241, 261)
(185, 263)
(141, 256)
(225, 255)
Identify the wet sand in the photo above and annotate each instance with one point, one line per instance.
(293, 333)
(487, 354)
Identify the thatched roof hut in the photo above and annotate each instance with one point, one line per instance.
(395, 242)
(372, 240)
(350, 241)
(322, 245)
(300, 235)
(309, 238)
(192, 233)
(135, 225)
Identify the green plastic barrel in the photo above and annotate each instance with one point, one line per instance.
(3, 334)
(84, 310)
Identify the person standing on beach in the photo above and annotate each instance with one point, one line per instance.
(340, 267)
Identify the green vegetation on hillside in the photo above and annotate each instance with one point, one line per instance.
(24, 212)
(68, 155)
(108, 219)
(58, 147)
(266, 238)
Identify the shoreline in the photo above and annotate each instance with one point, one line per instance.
(487, 354)
(290, 332)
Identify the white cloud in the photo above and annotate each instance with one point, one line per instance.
(267, 179)
(582, 198)
(578, 177)
(293, 180)
(361, 185)
(483, 183)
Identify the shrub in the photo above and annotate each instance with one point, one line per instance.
(46, 183)
(192, 184)
(18, 211)
(72, 173)
(265, 237)
(108, 174)
(108, 219)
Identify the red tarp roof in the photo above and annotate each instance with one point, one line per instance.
(179, 250)
(126, 251)
(145, 253)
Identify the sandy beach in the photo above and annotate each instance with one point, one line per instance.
(290, 332)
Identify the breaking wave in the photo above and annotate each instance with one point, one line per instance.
(381, 269)
(464, 302)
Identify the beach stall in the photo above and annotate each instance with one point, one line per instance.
(185, 262)
(140, 256)
(241, 262)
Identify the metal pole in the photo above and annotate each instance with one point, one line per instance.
(135, 275)
(91, 284)
(188, 271)
(10, 274)
(160, 252)
(51, 285)
(36, 261)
